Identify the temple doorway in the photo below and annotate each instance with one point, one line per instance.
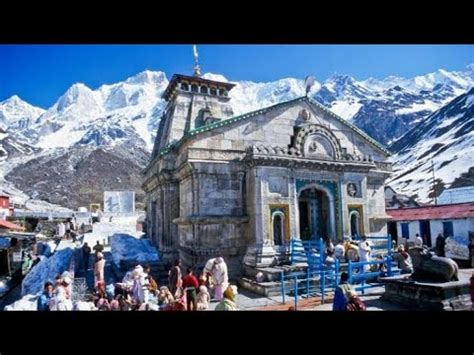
(314, 214)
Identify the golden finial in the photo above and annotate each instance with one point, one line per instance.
(197, 69)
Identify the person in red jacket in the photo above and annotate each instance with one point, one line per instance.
(190, 285)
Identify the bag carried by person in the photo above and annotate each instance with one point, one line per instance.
(355, 304)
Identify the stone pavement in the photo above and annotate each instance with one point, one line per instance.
(248, 301)
(373, 303)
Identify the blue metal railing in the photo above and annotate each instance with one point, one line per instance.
(310, 283)
(356, 271)
(307, 251)
(319, 278)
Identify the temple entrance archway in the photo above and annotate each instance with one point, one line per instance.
(316, 213)
(355, 221)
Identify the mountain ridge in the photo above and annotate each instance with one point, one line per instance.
(128, 112)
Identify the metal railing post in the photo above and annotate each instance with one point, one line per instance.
(363, 280)
(389, 265)
(321, 252)
(307, 282)
(389, 244)
(323, 288)
(283, 291)
(296, 292)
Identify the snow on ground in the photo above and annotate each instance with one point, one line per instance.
(141, 127)
(470, 101)
(69, 134)
(126, 242)
(3, 287)
(26, 303)
(105, 229)
(127, 247)
(46, 270)
(84, 306)
(448, 121)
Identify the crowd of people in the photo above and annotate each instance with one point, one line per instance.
(349, 250)
(138, 290)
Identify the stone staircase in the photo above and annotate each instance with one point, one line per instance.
(271, 284)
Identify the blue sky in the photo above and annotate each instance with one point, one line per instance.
(39, 74)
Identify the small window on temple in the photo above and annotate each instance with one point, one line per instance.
(221, 92)
(203, 89)
(194, 88)
(213, 91)
(225, 93)
(184, 86)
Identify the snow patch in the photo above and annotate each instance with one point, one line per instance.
(345, 109)
(215, 77)
(426, 106)
(26, 303)
(469, 101)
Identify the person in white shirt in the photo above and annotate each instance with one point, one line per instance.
(62, 299)
(418, 241)
(340, 251)
(220, 277)
(144, 283)
(364, 252)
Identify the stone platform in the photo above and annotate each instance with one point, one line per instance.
(454, 295)
(271, 284)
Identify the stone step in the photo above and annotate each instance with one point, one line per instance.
(272, 288)
(273, 273)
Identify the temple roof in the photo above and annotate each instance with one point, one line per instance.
(248, 115)
(177, 78)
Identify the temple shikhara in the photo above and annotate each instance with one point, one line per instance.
(237, 186)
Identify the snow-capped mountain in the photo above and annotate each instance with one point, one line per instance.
(110, 113)
(445, 138)
(125, 114)
(385, 109)
(17, 114)
(388, 108)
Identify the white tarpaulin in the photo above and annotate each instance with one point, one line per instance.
(119, 201)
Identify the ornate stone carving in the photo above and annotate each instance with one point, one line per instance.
(318, 141)
(383, 166)
(352, 189)
(318, 146)
(278, 185)
(313, 147)
(305, 115)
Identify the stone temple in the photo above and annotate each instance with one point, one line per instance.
(239, 186)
